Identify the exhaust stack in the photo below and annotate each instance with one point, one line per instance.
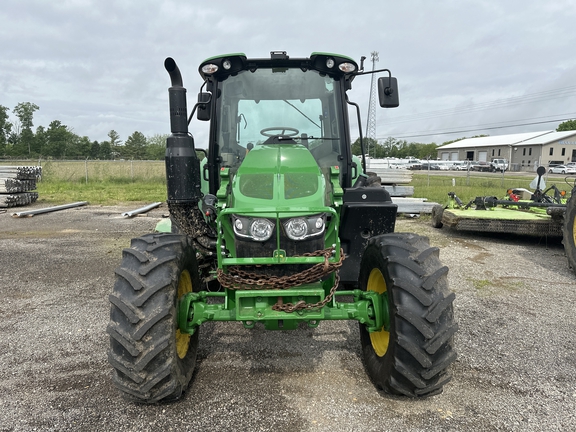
(182, 164)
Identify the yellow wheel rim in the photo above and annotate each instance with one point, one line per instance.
(183, 339)
(574, 231)
(379, 339)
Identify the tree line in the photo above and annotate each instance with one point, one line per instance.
(58, 141)
(392, 147)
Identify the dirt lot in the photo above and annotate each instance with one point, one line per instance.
(516, 344)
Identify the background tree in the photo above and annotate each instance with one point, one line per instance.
(40, 141)
(58, 137)
(105, 151)
(370, 147)
(566, 126)
(13, 138)
(5, 128)
(425, 150)
(25, 113)
(94, 150)
(115, 143)
(390, 147)
(135, 146)
(396, 148)
(77, 147)
(24, 143)
(156, 147)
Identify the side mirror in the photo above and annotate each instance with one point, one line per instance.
(388, 92)
(205, 103)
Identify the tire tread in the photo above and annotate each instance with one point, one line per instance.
(422, 324)
(142, 353)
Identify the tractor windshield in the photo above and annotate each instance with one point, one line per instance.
(271, 106)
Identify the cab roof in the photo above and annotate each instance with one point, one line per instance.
(221, 66)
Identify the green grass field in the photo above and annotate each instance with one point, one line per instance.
(117, 182)
(100, 182)
(103, 182)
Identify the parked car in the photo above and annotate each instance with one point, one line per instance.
(460, 165)
(480, 166)
(414, 166)
(562, 169)
(431, 165)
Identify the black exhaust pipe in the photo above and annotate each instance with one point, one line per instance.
(174, 72)
(182, 164)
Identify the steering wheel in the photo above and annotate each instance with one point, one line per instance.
(286, 131)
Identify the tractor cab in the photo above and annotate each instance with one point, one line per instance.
(278, 101)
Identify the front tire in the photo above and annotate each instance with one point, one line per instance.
(152, 361)
(412, 356)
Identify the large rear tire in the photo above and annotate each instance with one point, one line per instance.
(412, 356)
(569, 234)
(152, 360)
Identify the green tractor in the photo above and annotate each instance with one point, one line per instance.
(277, 225)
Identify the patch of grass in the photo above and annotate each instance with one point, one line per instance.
(98, 171)
(102, 182)
(436, 187)
(497, 285)
(104, 192)
(480, 284)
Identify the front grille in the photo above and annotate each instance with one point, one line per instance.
(251, 249)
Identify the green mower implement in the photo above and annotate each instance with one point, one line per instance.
(277, 224)
(550, 212)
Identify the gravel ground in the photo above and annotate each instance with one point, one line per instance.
(516, 343)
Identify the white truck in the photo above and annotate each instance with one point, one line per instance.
(499, 165)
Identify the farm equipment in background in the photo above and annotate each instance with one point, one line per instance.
(547, 212)
(278, 225)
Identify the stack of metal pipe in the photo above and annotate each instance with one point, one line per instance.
(17, 184)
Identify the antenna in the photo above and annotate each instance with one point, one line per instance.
(371, 124)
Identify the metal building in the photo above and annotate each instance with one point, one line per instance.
(524, 151)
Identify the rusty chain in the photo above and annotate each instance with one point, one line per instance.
(189, 219)
(289, 307)
(238, 278)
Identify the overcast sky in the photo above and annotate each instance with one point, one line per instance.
(462, 66)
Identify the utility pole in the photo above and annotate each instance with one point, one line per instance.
(371, 124)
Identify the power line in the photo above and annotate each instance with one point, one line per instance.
(481, 129)
(505, 123)
(490, 105)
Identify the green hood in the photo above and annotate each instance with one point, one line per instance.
(278, 175)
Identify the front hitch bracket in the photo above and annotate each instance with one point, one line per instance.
(252, 306)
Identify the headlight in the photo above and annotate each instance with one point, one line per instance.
(257, 229)
(304, 227)
(210, 68)
(296, 229)
(347, 67)
(261, 229)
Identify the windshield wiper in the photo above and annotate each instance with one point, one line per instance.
(311, 137)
